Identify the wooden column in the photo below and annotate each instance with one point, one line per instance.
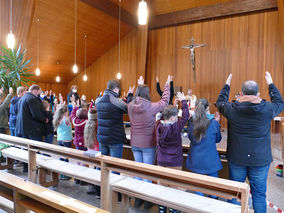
(106, 200)
(18, 208)
(142, 41)
(32, 164)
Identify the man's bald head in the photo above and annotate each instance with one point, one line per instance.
(250, 88)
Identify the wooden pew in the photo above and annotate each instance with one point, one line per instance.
(29, 196)
(190, 181)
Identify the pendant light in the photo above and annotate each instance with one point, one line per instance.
(11, 37)
(142, 13)
(37, 72)
(57, 79)
(85, 77)
(118, 75)
(75, 68)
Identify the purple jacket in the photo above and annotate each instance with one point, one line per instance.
(169, 151)
(142, 115)
(79, 125)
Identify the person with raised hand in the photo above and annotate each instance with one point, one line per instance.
(249, 146)
(160, 92)
(142, 114)
(169, 141)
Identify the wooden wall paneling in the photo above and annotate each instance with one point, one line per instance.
(245, 46)
(211, 11)
(142, 43)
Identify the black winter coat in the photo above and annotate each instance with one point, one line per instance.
(249, 127)
(110, 112)
(30, 117)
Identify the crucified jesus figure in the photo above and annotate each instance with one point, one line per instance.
(192, 47)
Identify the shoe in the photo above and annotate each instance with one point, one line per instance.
(173, 210)
(77, 181)
(162, 209)
(83, 183)
(64, 177)
(137, 203)
(147, 205)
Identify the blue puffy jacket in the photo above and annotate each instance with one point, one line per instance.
(110, 112)
(13, 111)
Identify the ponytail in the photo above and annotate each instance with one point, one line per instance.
(200, 120)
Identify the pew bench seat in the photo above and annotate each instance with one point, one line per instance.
(170, 197)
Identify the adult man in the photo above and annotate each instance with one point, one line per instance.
(110, 109)
(30, 117)
(13, 109)
(4, 110)
(249, 148)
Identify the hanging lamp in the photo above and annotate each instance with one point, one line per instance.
(85, 77)
(37, 72)
(118, 75)
(11, 37)
(75, 68)
(142, 12)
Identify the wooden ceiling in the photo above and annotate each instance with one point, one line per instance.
(98, 19)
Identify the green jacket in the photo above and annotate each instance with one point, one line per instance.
(4, 112)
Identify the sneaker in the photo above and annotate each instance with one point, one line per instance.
(147, 205)
(162, 209)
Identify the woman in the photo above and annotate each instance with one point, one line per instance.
(204, 133)
(142, 114)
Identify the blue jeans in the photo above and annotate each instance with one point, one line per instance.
(114, 150)
(215, 174)
(65, 144)
(257, 176)
(12, 132)
(49, 138)
(144, 155)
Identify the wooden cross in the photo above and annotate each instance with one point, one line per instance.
(192, 47)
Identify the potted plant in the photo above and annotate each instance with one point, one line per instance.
(14, 69)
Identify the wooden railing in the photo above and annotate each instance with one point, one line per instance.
(209, 185)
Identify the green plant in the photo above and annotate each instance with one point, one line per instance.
(14, 68)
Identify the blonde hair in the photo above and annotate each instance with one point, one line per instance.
(90, 130)
(59, 115)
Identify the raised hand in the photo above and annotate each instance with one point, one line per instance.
(180, 96)
(171, 78)
(157, 79)
(268, 78)
(78, 103)
(141, 80)
(168, 81)
(131, 90)
(11, 90)
(228, 82)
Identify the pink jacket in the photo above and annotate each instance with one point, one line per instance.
(79, 125)
(142, 114)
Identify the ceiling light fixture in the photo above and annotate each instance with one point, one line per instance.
(11, 37)
(57, 79)
(142, 13)
(85, 77)
(75, 68)
(37, 72)
(118, 75)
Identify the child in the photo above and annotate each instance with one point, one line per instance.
(91, 143)
(169, 141)
(204, 133)
(79, 118)
(49, 134)
(62, 124)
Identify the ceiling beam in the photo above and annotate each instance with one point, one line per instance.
(111, 9)
(232, 7)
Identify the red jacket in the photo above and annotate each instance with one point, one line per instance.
(79, 125)
(142, 114)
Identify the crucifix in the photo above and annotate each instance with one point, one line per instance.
(192, 47)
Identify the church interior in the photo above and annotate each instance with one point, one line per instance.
(101, 57)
